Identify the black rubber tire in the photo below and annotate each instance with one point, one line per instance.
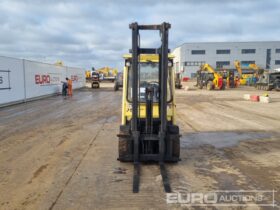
(95, 85)
(176, 147)
(116, 86)
(123, 147)
(209, 85)
(173, 129)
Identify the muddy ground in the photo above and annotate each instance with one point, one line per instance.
(61, 153)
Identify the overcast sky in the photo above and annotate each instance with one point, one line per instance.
(95, 33)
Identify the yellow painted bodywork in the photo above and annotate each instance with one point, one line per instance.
(243, 80)
(127, 106)
(88, 74)
(243, 77)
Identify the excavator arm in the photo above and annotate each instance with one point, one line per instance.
(238, 67)
(254, 66)
(210, 69)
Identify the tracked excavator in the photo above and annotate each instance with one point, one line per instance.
(149, 132)
(209, 78)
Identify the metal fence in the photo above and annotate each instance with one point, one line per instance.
(22, 80)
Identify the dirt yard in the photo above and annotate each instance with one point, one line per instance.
(61, 153)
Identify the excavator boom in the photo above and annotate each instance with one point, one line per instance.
(238, 67)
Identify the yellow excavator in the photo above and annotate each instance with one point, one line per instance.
(255, 72)
(107, 74)
(242, 77)
(257, 69)
(208, 77)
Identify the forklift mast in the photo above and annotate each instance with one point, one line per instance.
(148, 132)
(162, 51)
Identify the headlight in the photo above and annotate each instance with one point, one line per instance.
(170, 64)
(127, 63)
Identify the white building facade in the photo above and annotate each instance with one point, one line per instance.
(189, 56)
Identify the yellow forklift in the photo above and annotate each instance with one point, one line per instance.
(148, 132)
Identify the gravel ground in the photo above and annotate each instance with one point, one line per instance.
(60, 153)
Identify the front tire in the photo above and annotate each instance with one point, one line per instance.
(209, 85)
(176, 147)
(116, 86)
(123, 148)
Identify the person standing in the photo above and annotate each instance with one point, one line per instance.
(69, 84)
(64, 88)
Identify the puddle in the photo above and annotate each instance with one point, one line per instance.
(220, 139)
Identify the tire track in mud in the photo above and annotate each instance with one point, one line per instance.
(186, 122)
(104, 121)
(79, 163)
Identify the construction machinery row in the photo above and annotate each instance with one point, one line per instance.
(212, 79)
(264, 79)
(105, 74)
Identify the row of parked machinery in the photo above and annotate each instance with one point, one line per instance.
(208, 77)
(260, 78)
(105, 74)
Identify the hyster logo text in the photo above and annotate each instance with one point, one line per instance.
(42, 79)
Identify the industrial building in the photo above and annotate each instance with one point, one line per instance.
(189, 56)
